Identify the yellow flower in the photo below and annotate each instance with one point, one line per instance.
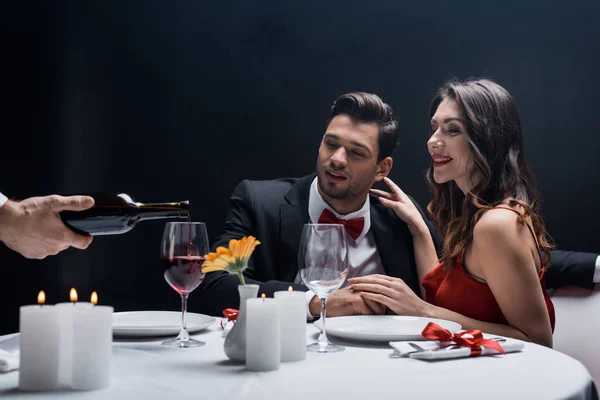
(233, 259)
(217, 261)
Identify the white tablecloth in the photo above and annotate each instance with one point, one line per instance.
(142, 369)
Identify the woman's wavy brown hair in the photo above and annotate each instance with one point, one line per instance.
(496, 144)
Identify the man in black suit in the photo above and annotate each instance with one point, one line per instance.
(355, 153)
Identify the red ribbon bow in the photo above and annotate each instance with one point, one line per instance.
(436, 332)
(231, 314)
(353, 226)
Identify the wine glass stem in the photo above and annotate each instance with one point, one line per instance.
(323, 341)
(184, 298)
(184, 335)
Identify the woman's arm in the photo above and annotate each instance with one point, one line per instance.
(425, 254)
(424, 249)
(505, 252)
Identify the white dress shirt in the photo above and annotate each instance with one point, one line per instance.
(363, 257)
(3, 199)
(597, 271)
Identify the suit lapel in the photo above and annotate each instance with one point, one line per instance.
(394, 243)
(293, 215)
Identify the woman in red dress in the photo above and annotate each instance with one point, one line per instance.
(491, 275)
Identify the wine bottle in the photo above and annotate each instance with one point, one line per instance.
(113, 214)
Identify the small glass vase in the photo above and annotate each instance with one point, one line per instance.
(235, 342)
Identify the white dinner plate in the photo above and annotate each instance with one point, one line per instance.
(157, 323)
(382, 328)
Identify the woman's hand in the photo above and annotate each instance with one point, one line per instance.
(392, 293)
(402, 205)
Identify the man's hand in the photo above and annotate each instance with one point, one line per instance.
(34, 229)
(347, 302)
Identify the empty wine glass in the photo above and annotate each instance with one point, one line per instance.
(323, 265)
(182, 251)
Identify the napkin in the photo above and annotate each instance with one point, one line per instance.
(447, 350)
(8, 360)
(9, 353)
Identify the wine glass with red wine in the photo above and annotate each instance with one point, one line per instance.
(182, 251)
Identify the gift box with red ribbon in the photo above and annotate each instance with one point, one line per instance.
(444, 344)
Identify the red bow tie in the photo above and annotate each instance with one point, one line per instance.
(353, 226)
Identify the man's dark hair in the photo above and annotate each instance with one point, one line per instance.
(369, 108)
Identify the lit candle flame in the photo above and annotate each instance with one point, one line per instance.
(41, 297)
(290, 289)
(94, 298)
(73, 295)
(263, 296)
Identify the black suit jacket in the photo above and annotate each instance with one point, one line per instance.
(571, 268)
(275, 211)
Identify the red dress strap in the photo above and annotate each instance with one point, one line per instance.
(509, 209)
(529, 225)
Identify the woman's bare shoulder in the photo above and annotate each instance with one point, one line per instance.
(497, 223)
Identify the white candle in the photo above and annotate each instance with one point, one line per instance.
(92, 347)
(263, 348)
(39, 353)
(65, 319)
(292, 312)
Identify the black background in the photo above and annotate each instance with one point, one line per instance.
(172, 101)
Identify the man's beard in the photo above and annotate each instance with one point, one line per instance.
(331, 190)
(335, 193)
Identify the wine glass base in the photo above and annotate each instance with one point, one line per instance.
(324, 348)
(183, 343)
